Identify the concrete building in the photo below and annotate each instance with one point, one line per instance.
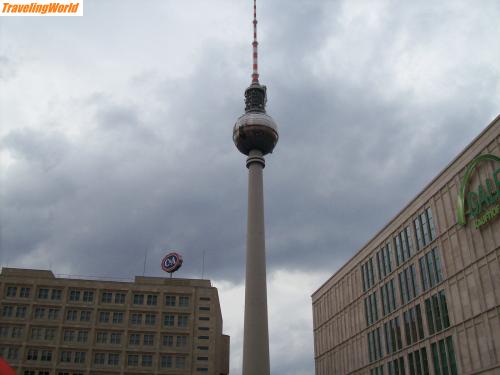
(61, 326)
(255, 134)
(423, 295)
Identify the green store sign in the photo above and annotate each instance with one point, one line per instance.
(482, 204)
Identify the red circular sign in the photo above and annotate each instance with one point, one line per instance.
(171, 262)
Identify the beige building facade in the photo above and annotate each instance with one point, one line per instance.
(423, 295)
(66, 326)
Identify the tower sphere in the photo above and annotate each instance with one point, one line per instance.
(255, 130)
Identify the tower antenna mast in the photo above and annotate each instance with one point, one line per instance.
(255, 44)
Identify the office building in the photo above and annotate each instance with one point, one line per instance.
(423, 295)
(66, 326)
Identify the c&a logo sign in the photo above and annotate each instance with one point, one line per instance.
(481, 204)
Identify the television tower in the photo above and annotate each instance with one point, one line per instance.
(255, 134)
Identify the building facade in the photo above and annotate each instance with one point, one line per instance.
(423, 295)
(61, 326)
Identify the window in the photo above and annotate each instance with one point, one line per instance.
(430, 269)
(104, 316)
(152, 300)
(371, 310)
(4, 332)
(180, 362)
(69, 335)
(7, 311)
(56, 294)
(147, 360)
(379, 370)
(85, 316)
(113, 359)
(43, 293)
(136, 318)
(388, 296)
(21, 312)
(88, 296)
(436, 311)
(11, 291)
(150, 319)
(202, 369)
(367, 275)
(425, 228)
(397, 366)
(168, 320)
(404, 246)
(74, 295)
(65, 356)
(414, 329)
(32, 355)
(384, 264)
(46, 355)
(80, 357)
(202, 347)
(119, 298)
(25, 292)
(204, 308)
(204, 298)
(408, 284)
(392, 333)
(102, 337)
(82, 336)
(417, 361)
(13, 353)
(184, 301)
(116, 338)
(203, 328)
(36, 333)
(181, 341)
(117, 317)
(374, 347)
(166, 361)
(133, 360)
(168, 340)
(182, 320)
(138, 299)
(149, 339)
(99, 358)
(16, 332)
(203, 318)
(106, 297)
(170, 300)
(203, 337)
(53, 314)
(50, 333)
(443, 356)
(134, 339)
(29, 372)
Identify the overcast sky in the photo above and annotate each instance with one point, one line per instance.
(115, 136)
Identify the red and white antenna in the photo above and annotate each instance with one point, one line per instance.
(255, 74)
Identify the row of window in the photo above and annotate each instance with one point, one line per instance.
(102, 337)
(87, 296)
(425, 231)
(115, 317)
(443, 360)
(431, 275)
(437, 320)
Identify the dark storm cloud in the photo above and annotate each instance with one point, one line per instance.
(372, 101)
(347, 159)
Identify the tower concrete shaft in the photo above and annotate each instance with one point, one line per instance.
(256, 334)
